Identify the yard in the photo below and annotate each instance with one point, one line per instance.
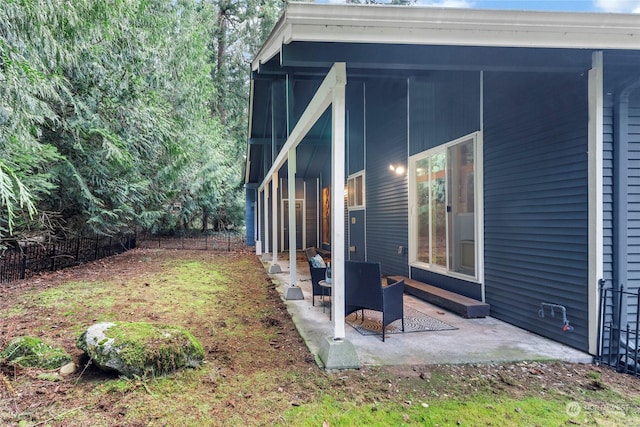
(258, 370)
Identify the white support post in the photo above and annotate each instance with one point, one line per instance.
(293, 291)
(265, 257)
(258, 214)
(275, 267)
(337, 352)
(337, 202)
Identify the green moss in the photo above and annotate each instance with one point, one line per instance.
(49, 376)
(150, 349)
(33, 352)
(473, 410)
(16, 310)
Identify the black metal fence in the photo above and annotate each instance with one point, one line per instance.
(24, 260)
(221, 241)
(619, 327)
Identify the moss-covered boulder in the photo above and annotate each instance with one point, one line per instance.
(140, 348)
(33, 352)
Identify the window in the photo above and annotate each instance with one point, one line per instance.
(355, 191)
(443, 199)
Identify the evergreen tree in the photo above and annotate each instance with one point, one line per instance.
(114, 114)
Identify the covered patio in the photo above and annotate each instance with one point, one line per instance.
(487, 154)
(486, 340)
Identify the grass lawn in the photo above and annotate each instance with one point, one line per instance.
(257, 369)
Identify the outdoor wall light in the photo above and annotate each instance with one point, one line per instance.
(399, 169)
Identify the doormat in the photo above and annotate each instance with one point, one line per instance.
(414, 321)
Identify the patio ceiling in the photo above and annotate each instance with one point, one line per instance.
(312, 153)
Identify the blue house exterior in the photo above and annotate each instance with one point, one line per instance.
(495, 154)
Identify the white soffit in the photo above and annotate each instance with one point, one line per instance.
(450, 26)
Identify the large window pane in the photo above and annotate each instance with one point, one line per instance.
(351, 195)
(355, 192)
(439, 209)
(445, 223)
(422, 198)
(461, 190)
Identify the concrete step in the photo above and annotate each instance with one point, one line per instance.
(459, 304)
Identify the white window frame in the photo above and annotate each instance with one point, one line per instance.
(478, 211)
(352, 181)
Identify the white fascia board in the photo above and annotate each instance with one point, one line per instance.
(451, 26)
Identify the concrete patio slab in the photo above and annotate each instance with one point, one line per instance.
(486, 340)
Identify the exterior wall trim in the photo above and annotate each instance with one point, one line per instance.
(595, 181)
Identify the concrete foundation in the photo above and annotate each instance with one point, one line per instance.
(293, 292)
(338, 354)
(274, 269)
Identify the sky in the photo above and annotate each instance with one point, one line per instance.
(611, 6)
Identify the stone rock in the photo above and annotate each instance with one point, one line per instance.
(33, 352)
(140, 348)
(68, 369)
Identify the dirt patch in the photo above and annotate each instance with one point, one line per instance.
(257, 366)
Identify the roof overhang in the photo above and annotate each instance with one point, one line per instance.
(449, 27)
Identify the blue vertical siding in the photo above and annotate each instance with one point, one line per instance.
(355, 126)
(279, 129)
(607, 205)
(623, 123)
(536, 200)
(304, 91)
(250, 214)
(607, 190)
(311, 208)
(633, 205)
(355, 163)
(443, 107)
(386, 192)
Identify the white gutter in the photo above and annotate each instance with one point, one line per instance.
(450, 26)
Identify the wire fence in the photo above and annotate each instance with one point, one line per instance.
(221, 242)
(25, 260)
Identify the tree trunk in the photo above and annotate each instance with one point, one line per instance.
(221, 42)
(205, 220)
